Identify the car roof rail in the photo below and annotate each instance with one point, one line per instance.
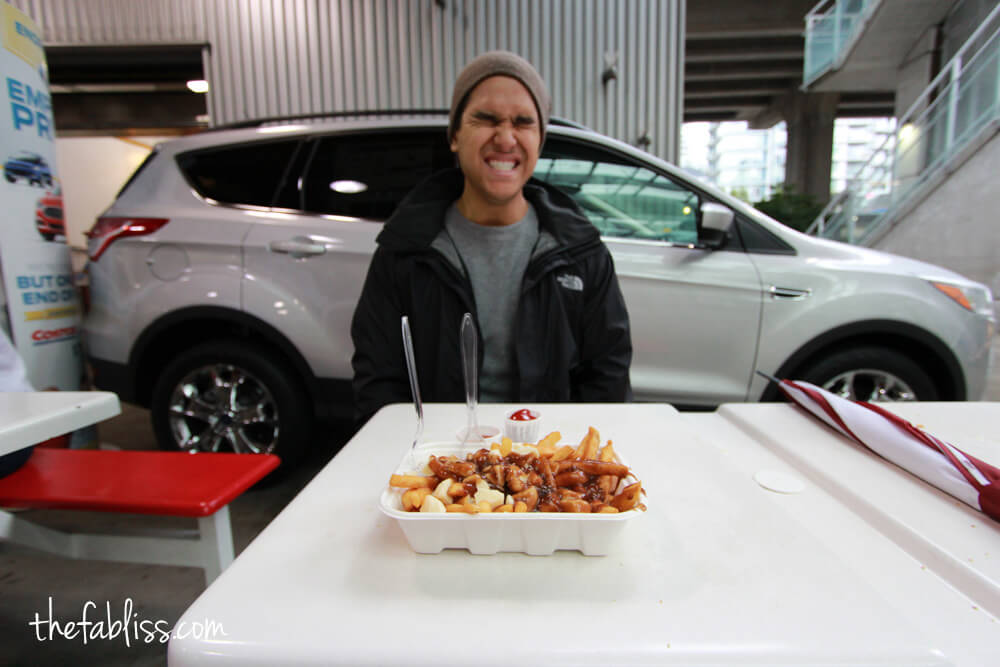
(362, 113)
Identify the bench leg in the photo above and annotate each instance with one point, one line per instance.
(211, 549)
(216, 543)
(17, 530)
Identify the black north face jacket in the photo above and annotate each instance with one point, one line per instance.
(572, 328)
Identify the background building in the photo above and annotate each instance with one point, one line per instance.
(751, 163)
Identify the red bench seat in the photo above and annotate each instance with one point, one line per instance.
(140, 482)
(170, 483)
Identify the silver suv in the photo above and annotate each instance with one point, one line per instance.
(224, 277)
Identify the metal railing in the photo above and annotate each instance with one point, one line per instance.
(961, 101)
(830, 27)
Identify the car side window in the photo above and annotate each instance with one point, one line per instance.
(244, 174)
(621, 198)
(366, 175)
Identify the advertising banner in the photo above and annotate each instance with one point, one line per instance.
(42, 303)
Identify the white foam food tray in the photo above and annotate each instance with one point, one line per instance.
(534, 533)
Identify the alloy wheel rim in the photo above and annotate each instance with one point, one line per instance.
(223, 408)
(871, 385)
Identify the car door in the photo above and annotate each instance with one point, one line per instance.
(695, 312)
(306, 258)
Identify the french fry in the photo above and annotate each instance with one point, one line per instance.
(588, 446)
(547, 445)
(529, 497)
(565, 493)
(602, 468)
(571, 478)
(575, 505)
(607, 485)
(628, 498)
(412, 481)
(485, 507)
(504, 508)
(454, 507)
(593, 445)
(457, 490)
(563, 452)
(414, 498)
(506, 445)
(607, 453)
(520, 506)
(408, 500)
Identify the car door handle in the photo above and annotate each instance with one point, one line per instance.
(298, 247)
(788, 292)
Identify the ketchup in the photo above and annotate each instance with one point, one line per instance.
(523, 415)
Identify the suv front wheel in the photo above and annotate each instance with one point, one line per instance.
(226, 396)
(874, 374)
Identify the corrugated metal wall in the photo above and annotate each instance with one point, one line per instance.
(282, 57)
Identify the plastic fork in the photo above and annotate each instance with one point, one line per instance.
(411, 368)
(470, 364)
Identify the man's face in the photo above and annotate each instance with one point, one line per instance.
(497, 141)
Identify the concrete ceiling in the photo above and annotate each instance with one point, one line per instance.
(742, 60)
(125, 88)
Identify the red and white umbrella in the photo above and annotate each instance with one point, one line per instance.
(937, 462)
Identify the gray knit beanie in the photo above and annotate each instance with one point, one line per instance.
(491, 64)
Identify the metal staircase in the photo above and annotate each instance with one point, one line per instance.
(957, 112)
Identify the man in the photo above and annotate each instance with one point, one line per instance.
(519, 255)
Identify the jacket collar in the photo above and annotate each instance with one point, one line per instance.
(420, 216)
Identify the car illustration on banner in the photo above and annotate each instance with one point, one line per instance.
(49, 215)
(28, 166)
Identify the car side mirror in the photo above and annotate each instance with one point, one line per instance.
(715, 222)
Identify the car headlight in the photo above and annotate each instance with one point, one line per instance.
(975, 298)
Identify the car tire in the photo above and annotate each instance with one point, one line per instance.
(230, 397)
(48, 237)
(10, 179)
(872, 373)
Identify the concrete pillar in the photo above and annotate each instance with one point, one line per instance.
(809, 118)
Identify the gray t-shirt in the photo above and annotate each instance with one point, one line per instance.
(494, 259)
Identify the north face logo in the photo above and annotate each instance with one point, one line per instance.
(570, 281)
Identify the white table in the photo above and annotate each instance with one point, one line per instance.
(27, 418)
(718, 571)
(955, 541)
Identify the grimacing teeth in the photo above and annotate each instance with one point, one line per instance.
(501, 165)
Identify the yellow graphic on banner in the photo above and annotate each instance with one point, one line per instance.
(22, 37)
(50, 313)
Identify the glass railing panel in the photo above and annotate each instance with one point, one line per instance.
(962, 100)
(977, 96)
(960, 109)
(819, 47)
(830, 26)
